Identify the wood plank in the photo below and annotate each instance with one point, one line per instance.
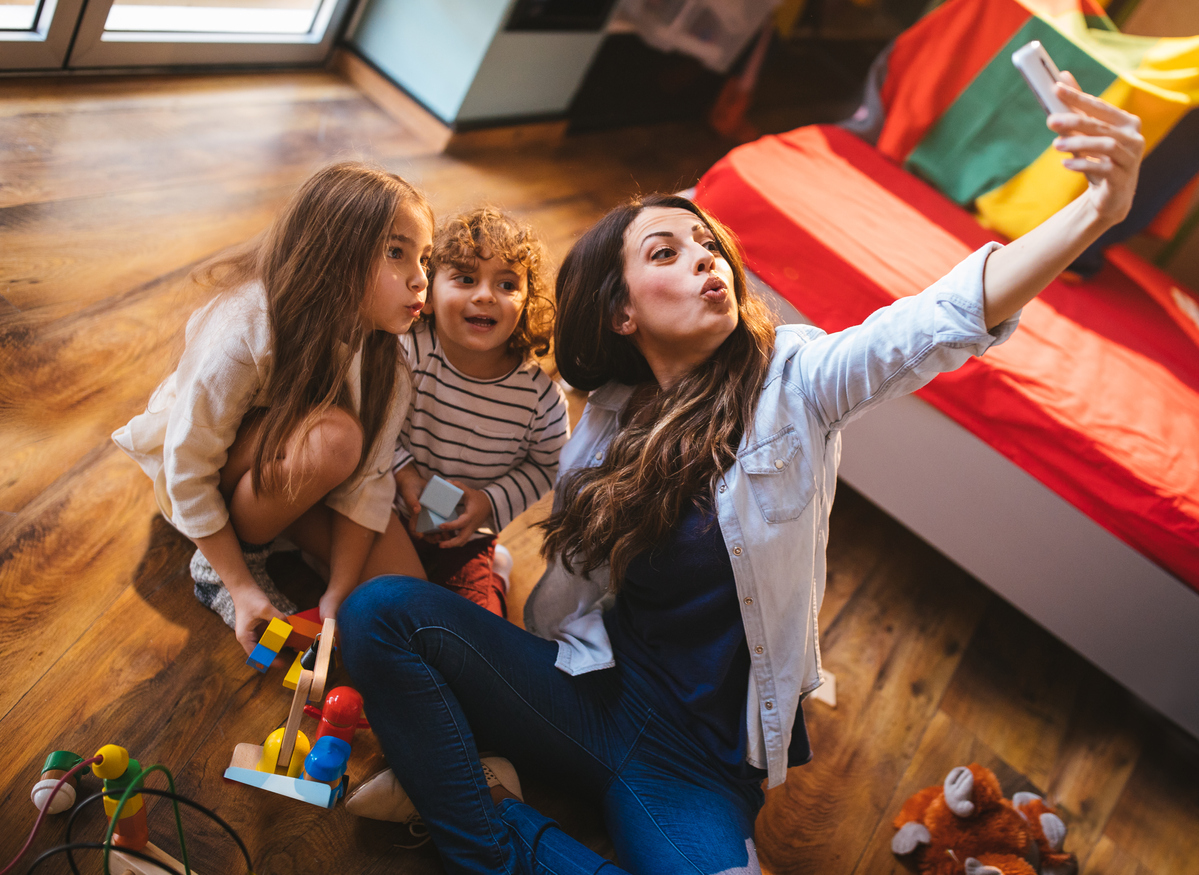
(125, 241)
(894, 648)
(1155, 821)
(64, 559)
(1073, 735)
(141, 144)
(1109, 859)
(860, 539)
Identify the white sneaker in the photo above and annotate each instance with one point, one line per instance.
(501, 773)
(380, 797)
(502, 565)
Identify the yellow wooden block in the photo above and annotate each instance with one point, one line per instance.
(293, 673)
(276, 635)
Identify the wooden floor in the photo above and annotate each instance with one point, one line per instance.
(110, 190)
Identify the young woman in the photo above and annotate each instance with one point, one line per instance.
(697, 488)
(283, 413)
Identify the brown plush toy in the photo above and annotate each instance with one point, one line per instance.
(966, 827)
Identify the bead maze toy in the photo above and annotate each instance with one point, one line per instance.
(285, 764)
(126, 846)
(281, 764)
(438, 502)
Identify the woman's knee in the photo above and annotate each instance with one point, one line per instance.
(395, 605)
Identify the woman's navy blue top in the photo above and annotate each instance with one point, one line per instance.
(677, 622)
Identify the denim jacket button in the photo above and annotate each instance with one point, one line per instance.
(599, 456)
(780, 464)
(758, 649)
(749, 600)
(736, 551)
(769, 705)
(723, 487)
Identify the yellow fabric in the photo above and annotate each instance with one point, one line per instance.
(1160, 90)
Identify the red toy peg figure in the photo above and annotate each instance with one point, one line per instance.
(118, 772)
(339, 717)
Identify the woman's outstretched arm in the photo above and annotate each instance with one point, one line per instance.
(1107, 146)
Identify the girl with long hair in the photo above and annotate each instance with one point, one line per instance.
(283, 413)
(673, 637)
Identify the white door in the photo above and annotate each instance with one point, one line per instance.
(35, 34)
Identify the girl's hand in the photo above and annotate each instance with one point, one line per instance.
(253, 612)
(410, 485)
(329, 604)
(1107, 147)
(476, 512)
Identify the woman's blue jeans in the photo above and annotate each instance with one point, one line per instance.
(443, 679)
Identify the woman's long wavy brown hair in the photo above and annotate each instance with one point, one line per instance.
(315, 263)
(673, 442)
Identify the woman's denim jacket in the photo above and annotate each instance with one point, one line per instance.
(773, 504)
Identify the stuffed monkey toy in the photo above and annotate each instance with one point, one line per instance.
(966, 827)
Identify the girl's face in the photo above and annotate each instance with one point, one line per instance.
(477, 310)
(395, 296)
(681, 304)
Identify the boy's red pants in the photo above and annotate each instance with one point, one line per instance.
(466, 570)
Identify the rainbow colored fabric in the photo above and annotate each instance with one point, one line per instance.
(958, 114)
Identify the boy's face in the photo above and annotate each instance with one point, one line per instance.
(477, 310)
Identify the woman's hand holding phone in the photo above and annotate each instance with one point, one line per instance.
(1106, 146)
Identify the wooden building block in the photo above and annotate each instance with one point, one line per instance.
(140, 867)
(324, 651)
(293, 674)
(293, 719)
(276, 634)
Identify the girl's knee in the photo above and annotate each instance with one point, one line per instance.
(335, 443)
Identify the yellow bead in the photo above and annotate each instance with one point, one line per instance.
(270, 753)
(114, 764)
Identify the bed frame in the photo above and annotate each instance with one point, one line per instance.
(1120, 610)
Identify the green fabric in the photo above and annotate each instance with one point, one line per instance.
(996, 127)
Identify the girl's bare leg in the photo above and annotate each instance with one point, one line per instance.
(316, 464)
(391, 553)
(313, 465)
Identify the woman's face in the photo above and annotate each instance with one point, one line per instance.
(681, 304)
(395, 296)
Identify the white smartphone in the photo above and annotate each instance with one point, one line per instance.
(1040, 73)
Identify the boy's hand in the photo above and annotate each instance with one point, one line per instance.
(410, 485)
(476, 512)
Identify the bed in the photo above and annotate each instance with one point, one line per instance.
(1062, 468)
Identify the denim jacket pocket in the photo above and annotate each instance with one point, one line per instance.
(779, 475)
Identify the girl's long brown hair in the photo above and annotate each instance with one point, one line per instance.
(673, 442)
(315, 263)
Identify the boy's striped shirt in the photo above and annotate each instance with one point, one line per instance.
(501, 436)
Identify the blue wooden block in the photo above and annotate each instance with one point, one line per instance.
(261, 657)
(441, 497)
(428, 521)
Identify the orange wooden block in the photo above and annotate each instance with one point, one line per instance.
(303, 632)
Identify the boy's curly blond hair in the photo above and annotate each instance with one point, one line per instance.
(461, 241)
